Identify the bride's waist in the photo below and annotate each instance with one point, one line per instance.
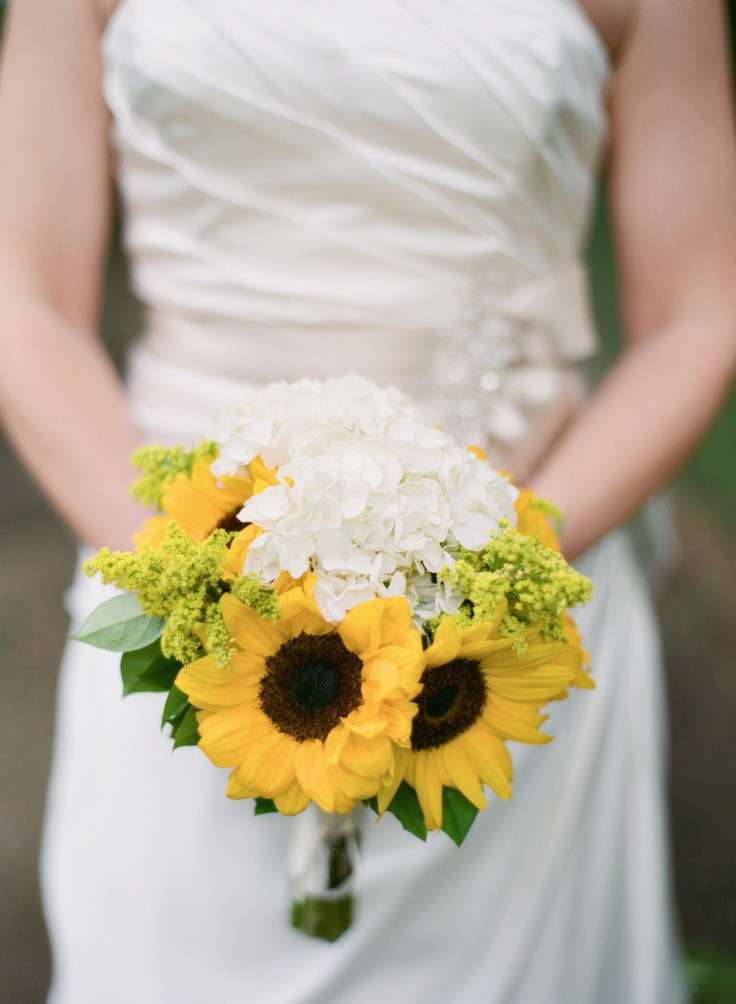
(542, 318)
(257, 353)
(184, 371)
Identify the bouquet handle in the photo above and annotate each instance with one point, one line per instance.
(325, 871)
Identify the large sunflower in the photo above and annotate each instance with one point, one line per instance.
(477, 692)
(200, 503)
(309, 710)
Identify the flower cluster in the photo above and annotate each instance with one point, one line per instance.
(353, 607)
(369, 498)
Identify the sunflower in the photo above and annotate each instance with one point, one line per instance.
(201, 503)
(309, 710)
(477, 692)
(536, 518)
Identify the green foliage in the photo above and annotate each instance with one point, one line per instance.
(458, 814)
(263, 806)
(181, 716)
(322, 918)
(186, 732)
(711, 975)
(518, 577)
(119, 625)
(147, 669)
(175, 708)
(548, 509)
(250, 590)
(161, 465)
(710, 477)
(405, 806)
(180, 581)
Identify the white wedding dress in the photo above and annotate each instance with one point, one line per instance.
(399, 188)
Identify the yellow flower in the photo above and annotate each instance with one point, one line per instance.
(582, 679)
(235, 559)
(477, 692)
(309, 710)
(201, 503)
(535, 518)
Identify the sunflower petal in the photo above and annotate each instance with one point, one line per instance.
(291, 801)
(228, 735)
(237, 789)
(356, 787)
(391, 782)
(268, 764)
(314, 775)
(539, 683)
(367, 757)
(428, 785)
(462, 774)
(490, 758)
(515, 720)
(251, 632)
(209, 687)
(446, 644)
(199, 503)
(299, 613)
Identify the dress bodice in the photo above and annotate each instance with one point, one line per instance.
(344, 172)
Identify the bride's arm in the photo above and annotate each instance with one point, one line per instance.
(672, 182)
(60, 397)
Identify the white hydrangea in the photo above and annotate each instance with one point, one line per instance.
(370, 498)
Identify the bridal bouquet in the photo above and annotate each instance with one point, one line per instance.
(344, 606)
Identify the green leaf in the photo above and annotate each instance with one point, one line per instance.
(119, 625)
(264, 805)
(147, 669)
(405, 806)
(457, 814)
(182, 717)
(186, 732)
(175, 707)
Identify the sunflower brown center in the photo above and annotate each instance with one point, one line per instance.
(230, 522)
(310, 683)
(451, 700)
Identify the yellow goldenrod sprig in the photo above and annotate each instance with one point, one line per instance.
(161, 464)
(535, 581)
(181, 581)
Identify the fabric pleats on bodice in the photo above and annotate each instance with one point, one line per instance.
(398, 188)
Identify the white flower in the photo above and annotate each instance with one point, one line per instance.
(371, 499)
(429, 598)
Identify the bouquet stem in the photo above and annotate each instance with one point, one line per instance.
(325, 872)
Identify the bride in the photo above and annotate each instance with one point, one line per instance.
(399, 188)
